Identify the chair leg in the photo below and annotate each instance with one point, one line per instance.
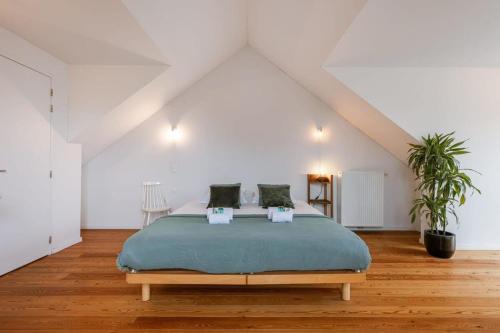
(346, 291)
(147, 219)
(146, 293)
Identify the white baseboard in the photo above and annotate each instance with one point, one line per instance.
(90, 227)
(382, 229)
(64, 244)
(472, 246)
(478, 247)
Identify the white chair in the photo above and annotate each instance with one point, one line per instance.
(153, 201)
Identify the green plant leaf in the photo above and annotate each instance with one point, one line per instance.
(462, 199)
(440, 180)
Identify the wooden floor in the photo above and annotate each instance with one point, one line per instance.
(80, 289)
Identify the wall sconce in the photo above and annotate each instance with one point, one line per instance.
(171, 134)
(174, 134)
(319, 129)
(322, 170)
(319, 133)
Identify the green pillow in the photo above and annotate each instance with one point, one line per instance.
(275, 196)
(261, 186)
(225, 195)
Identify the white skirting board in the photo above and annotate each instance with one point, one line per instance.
(362, 199)
(64, 244)
(138, 226)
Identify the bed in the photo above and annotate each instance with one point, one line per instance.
(183, 248)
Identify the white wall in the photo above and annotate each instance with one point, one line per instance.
(20, 50)
(66, 193)
(429, 33)
(192, 36)
(437, 72)
(465, 100)
(298, 36)
(95, 90)
(246, 121)
(66, 158)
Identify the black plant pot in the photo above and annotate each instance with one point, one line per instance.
(438, 244)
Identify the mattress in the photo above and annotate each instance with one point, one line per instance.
(198, 208)
(249, 244)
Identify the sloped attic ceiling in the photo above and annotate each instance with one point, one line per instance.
(298, 36)
(412, 47)
(103, 46)
(423, 33)
(95, 36)
(194, 36)
(174, 43)
(81, 32)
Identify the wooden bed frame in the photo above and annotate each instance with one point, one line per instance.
(185, 277)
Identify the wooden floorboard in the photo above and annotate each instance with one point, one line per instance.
(80, 290)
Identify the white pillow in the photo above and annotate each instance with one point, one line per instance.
(206, 198)
(255, 197)
(249, 197)
(243, 199)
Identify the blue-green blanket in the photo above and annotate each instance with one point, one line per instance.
(248, 244)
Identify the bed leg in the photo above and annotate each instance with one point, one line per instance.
(346, 291)
(145, 292)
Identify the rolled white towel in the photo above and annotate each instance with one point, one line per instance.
(270, 211)
(218, 219)
(280, 216)
(221, 211)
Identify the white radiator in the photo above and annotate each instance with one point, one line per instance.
(362, 199)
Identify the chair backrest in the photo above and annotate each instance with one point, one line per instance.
(152, 197)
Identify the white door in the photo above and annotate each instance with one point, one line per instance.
(25, 133)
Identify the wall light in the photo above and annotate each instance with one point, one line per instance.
(171, 134)
(319, 133)
(320, 130)
(323, 169)
(175, 134)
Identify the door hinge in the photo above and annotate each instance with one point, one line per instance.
(51, 92)
(51, 108)
(50, 239)
(50, 174)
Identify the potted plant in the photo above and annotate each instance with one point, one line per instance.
(443, 186)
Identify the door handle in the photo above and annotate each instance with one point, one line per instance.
(3, 171)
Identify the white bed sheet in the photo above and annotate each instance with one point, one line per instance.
(196, 208)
